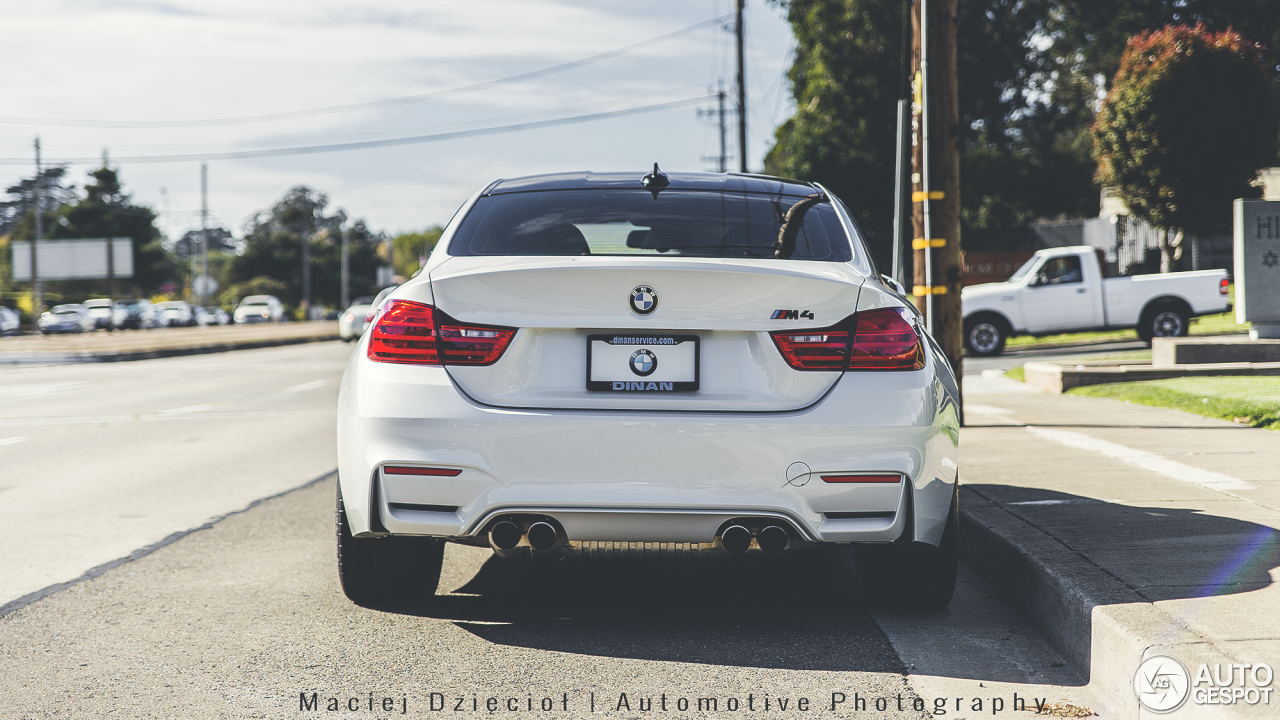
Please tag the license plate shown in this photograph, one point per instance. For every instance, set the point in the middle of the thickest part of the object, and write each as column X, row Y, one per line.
column 629, row 362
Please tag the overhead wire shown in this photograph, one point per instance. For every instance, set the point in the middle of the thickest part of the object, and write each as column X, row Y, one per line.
column 351, row 107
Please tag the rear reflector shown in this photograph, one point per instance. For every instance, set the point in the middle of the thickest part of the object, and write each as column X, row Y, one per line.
column 438, row 472
column 417, row 333
column 1223, row 284
column 872, row 340
column 862, row 478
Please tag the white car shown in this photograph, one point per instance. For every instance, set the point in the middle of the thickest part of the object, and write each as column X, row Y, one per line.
column 259, row 309
column 354, row 320
column 66, row 319
column 1066, row 290
column 175, row 313
column 102, row 310
column 9, row 321
column 706, row 362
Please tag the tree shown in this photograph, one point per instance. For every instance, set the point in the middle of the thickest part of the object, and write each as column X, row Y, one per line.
column 272, row 249
column 107, row 211
column 1185, row 127
column 411, row 248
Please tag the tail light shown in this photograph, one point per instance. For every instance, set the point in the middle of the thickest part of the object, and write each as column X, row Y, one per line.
column 874, row 479
column 873, row 340
column 416, row 333
column 1223, row 284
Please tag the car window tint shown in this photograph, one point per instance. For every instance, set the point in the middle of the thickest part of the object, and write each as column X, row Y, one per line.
column 633, row 222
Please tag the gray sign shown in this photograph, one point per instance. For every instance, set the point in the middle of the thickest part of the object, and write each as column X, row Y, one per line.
column 1257, row 266
column 78, row 259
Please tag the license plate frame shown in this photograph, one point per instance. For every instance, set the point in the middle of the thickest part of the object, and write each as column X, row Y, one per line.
column 645, row 340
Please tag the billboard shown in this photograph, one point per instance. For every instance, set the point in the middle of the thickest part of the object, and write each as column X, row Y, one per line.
column 77, row 259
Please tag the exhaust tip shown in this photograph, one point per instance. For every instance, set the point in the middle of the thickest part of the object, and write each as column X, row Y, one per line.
column 736, row 539
column 773, row 540
column 505, row 535
column 542, row 536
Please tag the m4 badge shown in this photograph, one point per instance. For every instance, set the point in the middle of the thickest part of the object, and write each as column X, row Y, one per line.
column 791, row 314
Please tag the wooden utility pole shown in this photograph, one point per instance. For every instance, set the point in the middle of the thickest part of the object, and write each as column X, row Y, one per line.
column 37, row 287
column 742, row 94
column 935, row 173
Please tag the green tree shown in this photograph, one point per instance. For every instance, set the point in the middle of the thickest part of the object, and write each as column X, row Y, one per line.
column 1185, row 127
column 272, row 249
column 410, row 248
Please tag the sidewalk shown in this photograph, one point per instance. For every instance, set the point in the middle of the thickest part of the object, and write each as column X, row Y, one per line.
column 1124, row 532
column 165, row 342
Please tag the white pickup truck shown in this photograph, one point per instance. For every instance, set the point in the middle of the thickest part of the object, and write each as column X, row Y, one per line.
column 1064, row 290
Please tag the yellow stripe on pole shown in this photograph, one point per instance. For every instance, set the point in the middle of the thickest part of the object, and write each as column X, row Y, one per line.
column 919, row 196
column 929, row 290
column 922, row 243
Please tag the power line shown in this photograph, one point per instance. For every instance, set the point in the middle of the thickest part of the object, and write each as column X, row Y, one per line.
column 369, row 144
column 388, row 102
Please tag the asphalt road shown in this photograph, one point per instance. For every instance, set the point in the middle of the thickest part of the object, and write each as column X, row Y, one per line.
column 243, row 616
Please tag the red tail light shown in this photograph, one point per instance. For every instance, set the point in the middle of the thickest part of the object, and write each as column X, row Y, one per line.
column 862, row 478
column 1223, row 284
column 880, row 340
column 416, row 333
column 409, row 470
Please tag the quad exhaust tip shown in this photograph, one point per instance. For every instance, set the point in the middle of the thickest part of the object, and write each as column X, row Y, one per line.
column 542, row 536
column 505, row 535
column 736, row 539
column 773, row 540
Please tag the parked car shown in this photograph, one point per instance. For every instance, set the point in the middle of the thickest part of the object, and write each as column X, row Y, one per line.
column 176, row 313
column 353, row 321
column 703, row 359
column 66, row 319
column 9, row 321
column 259, row 309
column 1065, row 290
column 133, row 314
column 102, row 310
column 211, row 316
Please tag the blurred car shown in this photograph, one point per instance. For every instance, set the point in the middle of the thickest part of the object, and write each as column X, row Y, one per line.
column 135, row 314
column 176, row 313
column 259, row 309
column 354, row 320
column 102, row 310
column 66, row 319
column 9, row 321
column 211, row 316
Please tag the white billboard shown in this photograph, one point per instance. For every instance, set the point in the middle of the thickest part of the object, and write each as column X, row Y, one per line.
column 78, row 259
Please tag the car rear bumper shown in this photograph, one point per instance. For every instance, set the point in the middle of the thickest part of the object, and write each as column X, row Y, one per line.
column 614, row 476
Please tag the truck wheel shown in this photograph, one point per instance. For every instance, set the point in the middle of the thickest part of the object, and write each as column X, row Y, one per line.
column 393, row 570
column 919, row 576
column 984, row 336
column 1164, row 321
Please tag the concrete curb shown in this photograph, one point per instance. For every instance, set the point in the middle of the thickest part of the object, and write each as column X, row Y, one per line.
column 65, row 358
column 1097, row 622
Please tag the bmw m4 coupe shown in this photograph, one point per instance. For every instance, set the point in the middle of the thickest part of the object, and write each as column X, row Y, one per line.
column 683, row 364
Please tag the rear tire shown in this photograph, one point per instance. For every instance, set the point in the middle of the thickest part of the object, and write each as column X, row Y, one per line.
column 918, row 577
column 389, row 570
column 1164, row 321
column 985, row 336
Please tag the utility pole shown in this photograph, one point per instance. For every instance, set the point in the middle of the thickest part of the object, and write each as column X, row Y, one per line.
column 204, row 231
column 935, row 174
column 742, row 95
column 306, row 269
column 346, row 270
column 724, row 158
column 37, row 287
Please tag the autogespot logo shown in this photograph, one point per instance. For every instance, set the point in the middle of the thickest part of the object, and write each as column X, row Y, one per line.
column 643, row 300
column 1161, row 683
column 643, row 362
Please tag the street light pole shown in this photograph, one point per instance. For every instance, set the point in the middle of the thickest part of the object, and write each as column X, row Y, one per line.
column 742, row 94
column 204, row 232
column 37, row 288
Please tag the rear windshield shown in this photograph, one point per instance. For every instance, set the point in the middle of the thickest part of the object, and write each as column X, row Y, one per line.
column 679, row 223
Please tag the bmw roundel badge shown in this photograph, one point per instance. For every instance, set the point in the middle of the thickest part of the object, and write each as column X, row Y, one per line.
column 643, row 300
column 643, row 362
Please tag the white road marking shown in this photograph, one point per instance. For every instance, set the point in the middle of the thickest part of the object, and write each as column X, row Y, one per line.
column 1154, row 462
column 979, row 409
column 12, row 440
column 305, row 386
column 185, row 410
column 35, row 390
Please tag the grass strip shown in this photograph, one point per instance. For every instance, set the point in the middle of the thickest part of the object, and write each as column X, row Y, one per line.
column 1246, row 400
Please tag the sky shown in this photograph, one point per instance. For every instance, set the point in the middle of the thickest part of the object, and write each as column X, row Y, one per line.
column 162, row 68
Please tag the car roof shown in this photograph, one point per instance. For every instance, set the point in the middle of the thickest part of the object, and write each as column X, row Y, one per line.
column 730, row 182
